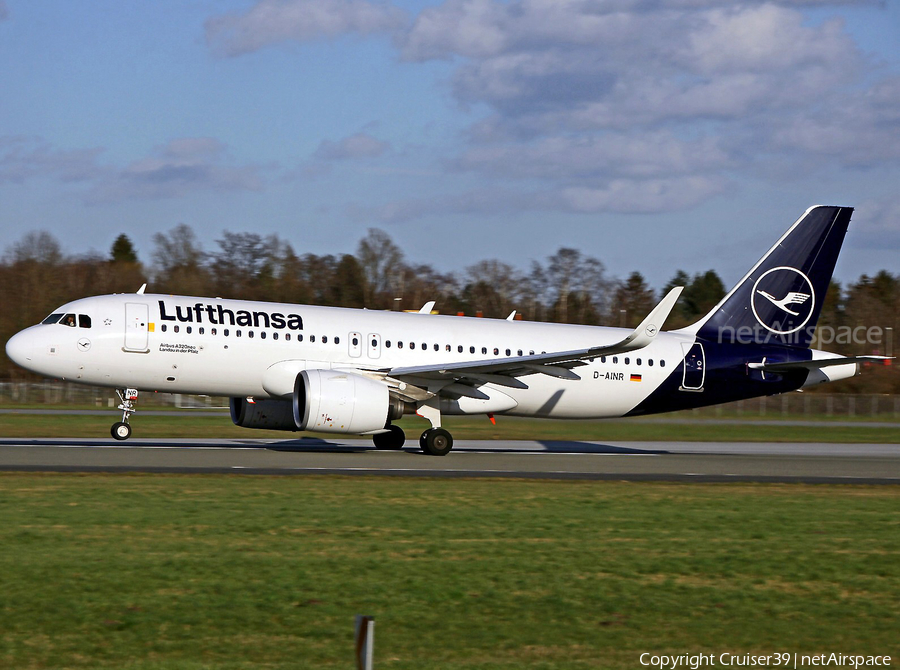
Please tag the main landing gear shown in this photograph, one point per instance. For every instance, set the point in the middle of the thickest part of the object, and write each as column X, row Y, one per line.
column 121, row 430
column 434, row 441
column 393, row 439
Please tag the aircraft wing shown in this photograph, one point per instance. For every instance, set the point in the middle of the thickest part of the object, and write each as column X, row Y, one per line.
column 505, row 371
column 816, row 364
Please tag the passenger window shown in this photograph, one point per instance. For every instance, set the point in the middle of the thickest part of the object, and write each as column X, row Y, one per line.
column 615, row 360
column 337, row 340
column 299, row 337
column 287, row 337
column 213, row 331
column 164, row 327
column 387, row 344
column 374, row 343
column 471, row 350
column 519, row 353
column 650, row 362
column 508, row 352
column 225, row 332
column 312, row 338
column 274, row 336
column 638, row 361
column 355, row 341
column 237, row 333
column 459, row 348
column 399, row 344
column 627, row 360
column 325, row 339
column 201, row 330
column 662, row 364
column 425, row 346
column 484, row 351
column 412, row 345
column 496, row 351
column 603, row 359
column 250, row 334
column 175, row 328
column 84, row 321
column 262, row 335
column 187, row 329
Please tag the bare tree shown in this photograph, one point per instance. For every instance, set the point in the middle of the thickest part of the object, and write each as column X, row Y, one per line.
column 382, row 264
column 179, row 262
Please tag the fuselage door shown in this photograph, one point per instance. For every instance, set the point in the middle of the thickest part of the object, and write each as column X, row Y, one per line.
column 374, row 344
column 137, row 327
column 354, row 342
column 694, row 367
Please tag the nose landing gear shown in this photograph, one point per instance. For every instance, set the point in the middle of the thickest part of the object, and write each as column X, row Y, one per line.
column 121, row 430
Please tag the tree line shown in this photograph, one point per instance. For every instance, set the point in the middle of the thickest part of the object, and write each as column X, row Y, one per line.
column 568, row 286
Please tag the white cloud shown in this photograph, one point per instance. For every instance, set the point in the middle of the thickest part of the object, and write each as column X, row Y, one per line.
column 656, row 153
column 606, row 100
column 181, row 167
column 616, row 105
column 24, row 158
column 271, row 22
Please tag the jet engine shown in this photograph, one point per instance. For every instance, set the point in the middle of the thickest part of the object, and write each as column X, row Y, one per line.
column 330, row 401
column 270, row 414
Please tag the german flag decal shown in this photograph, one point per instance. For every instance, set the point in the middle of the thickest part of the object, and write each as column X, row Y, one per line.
column 635, row 378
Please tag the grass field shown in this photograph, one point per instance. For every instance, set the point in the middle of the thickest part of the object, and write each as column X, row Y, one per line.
column 156, row 572
column 698, row 429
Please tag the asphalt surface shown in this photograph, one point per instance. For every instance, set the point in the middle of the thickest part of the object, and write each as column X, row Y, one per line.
column 663, row 461
column 675, row 421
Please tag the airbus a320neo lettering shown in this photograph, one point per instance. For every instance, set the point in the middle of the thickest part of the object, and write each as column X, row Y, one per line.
column 353, row 371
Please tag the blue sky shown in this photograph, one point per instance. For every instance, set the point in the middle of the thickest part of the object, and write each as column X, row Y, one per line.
column 652, row 134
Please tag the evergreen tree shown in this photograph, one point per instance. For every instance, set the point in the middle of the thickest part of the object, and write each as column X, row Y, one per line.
column 123, row 250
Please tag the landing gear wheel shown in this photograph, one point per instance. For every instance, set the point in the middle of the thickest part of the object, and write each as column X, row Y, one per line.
column 436, row 442
column 120, row 430
column 390, row 440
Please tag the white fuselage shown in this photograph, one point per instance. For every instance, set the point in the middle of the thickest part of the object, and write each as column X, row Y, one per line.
column 238, row 348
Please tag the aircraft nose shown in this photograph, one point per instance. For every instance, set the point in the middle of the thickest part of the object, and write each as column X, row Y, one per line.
column 20, row 348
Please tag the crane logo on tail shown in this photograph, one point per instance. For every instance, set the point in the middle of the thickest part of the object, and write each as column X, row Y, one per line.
column 783, row 300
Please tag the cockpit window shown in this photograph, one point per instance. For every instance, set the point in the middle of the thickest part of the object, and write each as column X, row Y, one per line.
column 71, row 320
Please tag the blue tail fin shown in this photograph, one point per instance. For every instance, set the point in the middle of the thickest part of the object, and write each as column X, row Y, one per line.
column 779, row 300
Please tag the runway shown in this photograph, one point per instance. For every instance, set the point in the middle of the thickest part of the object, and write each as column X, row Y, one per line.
column 638, row 461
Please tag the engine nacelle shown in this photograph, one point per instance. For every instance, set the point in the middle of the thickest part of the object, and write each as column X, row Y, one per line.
column 330, row 401
column 270, row 414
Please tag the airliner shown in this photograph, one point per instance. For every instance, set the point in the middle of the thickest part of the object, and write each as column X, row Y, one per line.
column 355, row 371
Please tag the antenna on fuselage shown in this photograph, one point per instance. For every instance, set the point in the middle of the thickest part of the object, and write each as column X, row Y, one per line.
column 140, row 291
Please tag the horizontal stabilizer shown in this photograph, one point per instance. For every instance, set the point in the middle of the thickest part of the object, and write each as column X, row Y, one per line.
column 816, row 364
